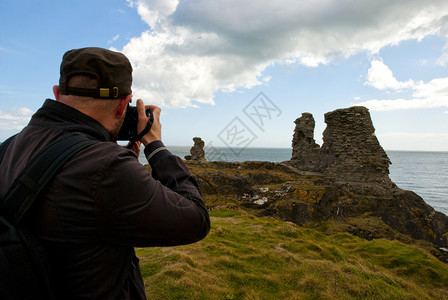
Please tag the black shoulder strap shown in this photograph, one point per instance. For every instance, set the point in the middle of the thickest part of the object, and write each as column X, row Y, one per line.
column 4, row 146
column 38, row 172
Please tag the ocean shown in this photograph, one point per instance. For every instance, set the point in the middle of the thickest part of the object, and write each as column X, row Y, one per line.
column 425, row 173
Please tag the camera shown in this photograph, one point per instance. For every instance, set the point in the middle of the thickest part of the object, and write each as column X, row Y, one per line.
column 128, row 131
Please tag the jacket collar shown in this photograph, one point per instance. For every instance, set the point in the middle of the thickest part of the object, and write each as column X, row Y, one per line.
column 61, row 116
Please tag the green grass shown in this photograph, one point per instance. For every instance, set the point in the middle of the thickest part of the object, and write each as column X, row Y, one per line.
column 245, row 257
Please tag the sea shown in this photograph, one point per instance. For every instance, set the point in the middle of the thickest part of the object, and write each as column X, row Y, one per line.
column 425, row 173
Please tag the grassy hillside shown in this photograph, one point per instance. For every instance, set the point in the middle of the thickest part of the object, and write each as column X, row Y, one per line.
column 246, row 257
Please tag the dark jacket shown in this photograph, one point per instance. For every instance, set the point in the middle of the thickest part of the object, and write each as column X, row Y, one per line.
column 102, row 204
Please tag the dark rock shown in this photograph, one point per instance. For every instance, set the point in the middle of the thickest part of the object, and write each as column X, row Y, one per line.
column 351, row 150
column 296, row 212
column 197, row 151
column 346, row 178
column 351, row 158
column 409, row 214
column 305, row 151
column 222, row 183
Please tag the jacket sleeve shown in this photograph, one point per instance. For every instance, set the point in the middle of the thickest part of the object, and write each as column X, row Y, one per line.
column 135, row 208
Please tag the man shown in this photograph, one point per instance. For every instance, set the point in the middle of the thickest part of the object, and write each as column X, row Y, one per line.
column 103, row 202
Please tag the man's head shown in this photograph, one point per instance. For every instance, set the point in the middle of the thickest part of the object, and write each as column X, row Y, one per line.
column 112, row 71
column 97, row 82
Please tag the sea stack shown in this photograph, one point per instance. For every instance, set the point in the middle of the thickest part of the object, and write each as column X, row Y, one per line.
column 350, row 151
column 197, row 152
column 305, row 151
column 351, row 148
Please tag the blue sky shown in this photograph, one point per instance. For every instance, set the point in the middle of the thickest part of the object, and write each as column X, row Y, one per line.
column 212, row 66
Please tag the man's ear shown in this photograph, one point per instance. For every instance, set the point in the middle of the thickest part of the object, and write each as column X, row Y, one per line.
column 121, row 109
column 56, row 92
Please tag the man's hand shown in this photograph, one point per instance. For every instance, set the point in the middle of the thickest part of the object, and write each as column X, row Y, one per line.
column 155, row 134
column 134, row 146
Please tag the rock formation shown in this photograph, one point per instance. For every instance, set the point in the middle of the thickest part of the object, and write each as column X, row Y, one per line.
column 305, row 151
column 284, row 192
column 350, row 154
column 197, row 152
column 347, row 180
column 351, row 150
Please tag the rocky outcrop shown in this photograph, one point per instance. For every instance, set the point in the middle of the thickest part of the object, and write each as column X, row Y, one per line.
column 197, row 152
column 281, row 191
column 305, row 151
column 348, row 177
column 351, row 150
column 350, row 156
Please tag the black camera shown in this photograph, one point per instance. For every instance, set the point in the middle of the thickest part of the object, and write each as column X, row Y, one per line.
column 128, row 131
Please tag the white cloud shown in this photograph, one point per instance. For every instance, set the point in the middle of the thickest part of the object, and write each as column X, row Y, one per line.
column 443, row 59
column 16, row 119
column 193, row 49
column 436, row 88
column 114, row 39
column 400, row 104
column 433, row 94
column 381, row 77
column 175, row 80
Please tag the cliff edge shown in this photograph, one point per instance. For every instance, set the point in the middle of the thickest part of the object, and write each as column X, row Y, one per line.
column 346, row 181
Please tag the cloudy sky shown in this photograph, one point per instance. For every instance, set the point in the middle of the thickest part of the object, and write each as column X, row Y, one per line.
column 238, row 73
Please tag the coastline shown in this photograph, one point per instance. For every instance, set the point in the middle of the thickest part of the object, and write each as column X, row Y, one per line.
column 370, row 210
column 429, row 185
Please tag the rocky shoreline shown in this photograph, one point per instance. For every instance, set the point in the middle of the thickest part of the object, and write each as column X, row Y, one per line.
column 345, row 181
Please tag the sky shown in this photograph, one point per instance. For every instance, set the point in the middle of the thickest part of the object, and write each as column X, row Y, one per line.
column 238, row 73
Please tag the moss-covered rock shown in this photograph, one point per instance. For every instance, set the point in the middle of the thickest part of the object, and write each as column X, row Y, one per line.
column 279, row 190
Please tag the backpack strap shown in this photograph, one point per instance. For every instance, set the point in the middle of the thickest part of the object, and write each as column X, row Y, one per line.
column 37, row 174
column 4, row 146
